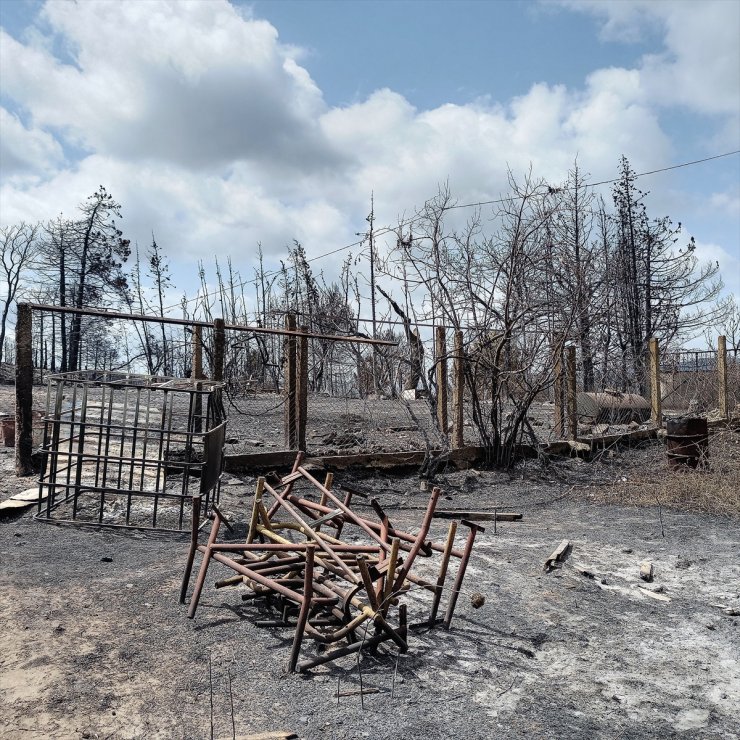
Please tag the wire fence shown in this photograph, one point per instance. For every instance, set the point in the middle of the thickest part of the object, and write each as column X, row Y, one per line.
column 356, row 397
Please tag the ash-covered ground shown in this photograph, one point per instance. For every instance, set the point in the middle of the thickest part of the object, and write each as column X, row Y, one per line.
column 94, row 643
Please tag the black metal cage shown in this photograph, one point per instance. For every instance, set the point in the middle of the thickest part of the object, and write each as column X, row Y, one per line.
column 125, row 450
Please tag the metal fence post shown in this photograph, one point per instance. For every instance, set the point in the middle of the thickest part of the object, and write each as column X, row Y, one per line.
column 722, row 375
column 289, row 384
column 301, row 401
column 458, row 392
column 196, row 372
column 559, row 394
column 656, row 412
column 441, row 367
column 23, row 391
column 570, row 370
column 219, row 345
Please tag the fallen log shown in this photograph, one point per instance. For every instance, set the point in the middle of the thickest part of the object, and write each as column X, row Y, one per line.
column 559, row 555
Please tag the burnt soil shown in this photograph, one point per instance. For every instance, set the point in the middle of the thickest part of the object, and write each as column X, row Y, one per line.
column 95, row 644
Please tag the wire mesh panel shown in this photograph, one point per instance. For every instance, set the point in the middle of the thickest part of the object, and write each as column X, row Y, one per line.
column 129, row 450
column 345, row 425
column 689, row 381
column 355, row 404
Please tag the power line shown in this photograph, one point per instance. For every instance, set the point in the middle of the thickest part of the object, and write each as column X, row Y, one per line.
column 601, row 182
column 389, row 230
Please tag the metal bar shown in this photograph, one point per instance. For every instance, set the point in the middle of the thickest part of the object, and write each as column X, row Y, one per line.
column 204, row 566
column 405, row 537
column 425, row 524
column 308, row 532
column 354, row 647
column 24, row 390
column 474, row 529
column 305, row 608
column 442, row 573
column 193, row 548
column 193, row 322
column 350, row 514
column 288, row 481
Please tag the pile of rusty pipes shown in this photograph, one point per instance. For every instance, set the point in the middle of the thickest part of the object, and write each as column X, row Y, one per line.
column 339, row 588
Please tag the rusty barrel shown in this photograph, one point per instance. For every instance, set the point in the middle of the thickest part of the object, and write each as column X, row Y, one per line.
column 687, row 442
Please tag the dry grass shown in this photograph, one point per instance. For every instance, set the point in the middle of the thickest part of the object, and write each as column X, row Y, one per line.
column 647, row 480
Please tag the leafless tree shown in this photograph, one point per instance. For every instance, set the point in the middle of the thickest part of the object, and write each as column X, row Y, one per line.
column 482, row 284
column 18, row 249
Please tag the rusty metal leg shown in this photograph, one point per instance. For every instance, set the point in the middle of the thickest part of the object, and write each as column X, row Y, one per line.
column 419, row 543
column 384, row 527
column 340, row 520
column 300, row 627
column 442, row 573
column 193, row 549
column 204, row 567
column 390, row 575
column 474, row 529
column 277, row 504
column 254, row 518
column 354, row 647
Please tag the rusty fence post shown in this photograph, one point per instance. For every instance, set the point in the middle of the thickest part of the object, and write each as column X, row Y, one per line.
column 219, row 346
column 458, row 392
column 570, row 390
column 289, row 384
column 196, row 372
column 441, row 360
column 301, row 399
column 722, row 375
column 558, row 421
column 23, row 391
column 656, row 412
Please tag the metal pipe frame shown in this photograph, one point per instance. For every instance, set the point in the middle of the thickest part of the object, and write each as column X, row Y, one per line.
column 326, row 586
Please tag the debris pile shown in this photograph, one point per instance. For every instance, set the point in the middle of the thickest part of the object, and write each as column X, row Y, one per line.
column 334, row 575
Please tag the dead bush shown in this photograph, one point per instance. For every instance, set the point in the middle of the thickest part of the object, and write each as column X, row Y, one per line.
column 648, row 480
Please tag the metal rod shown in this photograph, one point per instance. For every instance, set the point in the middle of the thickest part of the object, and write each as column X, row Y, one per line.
column 474, row 529
column 207, row 324
column 442, row 573
column 193, row 548
column 305, row 608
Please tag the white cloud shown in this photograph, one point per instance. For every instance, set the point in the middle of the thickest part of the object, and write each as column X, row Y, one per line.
column 194, row 83
column 26, row 152
column 729, row 264
column 699, row 65
column 727, row 202
column 210, row 133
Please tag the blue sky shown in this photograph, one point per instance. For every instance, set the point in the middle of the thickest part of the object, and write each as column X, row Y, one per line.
column 434, row 53
column 220, row 126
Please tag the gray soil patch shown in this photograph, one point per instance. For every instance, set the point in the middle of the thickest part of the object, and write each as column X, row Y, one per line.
column 96, row 645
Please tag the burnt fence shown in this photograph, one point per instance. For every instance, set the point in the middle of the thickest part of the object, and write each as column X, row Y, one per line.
column 287, row 388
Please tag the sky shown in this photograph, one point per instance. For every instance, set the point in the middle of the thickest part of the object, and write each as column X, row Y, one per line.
column 223, row 126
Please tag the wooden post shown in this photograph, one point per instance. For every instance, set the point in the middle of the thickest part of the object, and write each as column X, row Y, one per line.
column 572, row 405
column 441, row 360
column 219, row 344
column 289, row 384
column 722, row 375
column 301, row 399
column 458, row 392
column 23, row 391
column 196, row 372
column 559, row 394
column 656, row 413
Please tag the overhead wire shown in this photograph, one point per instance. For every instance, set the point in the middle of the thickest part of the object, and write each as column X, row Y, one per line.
column 389, row 230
